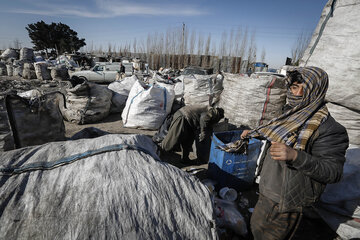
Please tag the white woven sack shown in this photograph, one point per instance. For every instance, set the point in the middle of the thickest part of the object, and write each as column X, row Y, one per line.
column 147, row 106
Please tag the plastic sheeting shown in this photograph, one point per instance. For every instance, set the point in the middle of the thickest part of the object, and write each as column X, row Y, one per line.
column 251, row 101
column 121, row 90
column 111, row 187
column 147, row 106
column 335, row 47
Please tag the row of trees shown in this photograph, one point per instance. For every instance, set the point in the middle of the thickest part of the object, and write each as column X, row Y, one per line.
column 55, row 36
column 179, row 41
column 175, row 41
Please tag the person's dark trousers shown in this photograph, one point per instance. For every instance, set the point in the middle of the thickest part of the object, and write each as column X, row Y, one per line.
column 180, row 134
column 267, row 223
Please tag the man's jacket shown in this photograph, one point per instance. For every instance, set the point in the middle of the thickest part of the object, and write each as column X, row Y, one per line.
column 305, row 178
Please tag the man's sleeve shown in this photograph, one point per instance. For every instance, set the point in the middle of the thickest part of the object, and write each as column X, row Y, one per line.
column 326, row 161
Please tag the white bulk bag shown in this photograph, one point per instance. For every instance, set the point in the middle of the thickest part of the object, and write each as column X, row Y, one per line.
column 147, row 106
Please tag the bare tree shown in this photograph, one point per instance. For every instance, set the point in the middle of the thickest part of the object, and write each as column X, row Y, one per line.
column 222, row 50
column 244, row 44
column 252, row 49
column 192, row 42
column 263, row 54
column 200, row 44
column 134, row 46
column 17, row 43
column 299, row 47
column 230, row 44
column 207, row 46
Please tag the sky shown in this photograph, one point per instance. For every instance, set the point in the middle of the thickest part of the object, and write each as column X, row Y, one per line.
column 277, row 24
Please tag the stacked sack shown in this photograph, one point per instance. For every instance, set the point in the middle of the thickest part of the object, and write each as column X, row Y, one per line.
column 87, row 103
column 202, row 89
column 252, row 101
column 3, row 69
column 59, row 73
column 41, row 70
column 29, row 71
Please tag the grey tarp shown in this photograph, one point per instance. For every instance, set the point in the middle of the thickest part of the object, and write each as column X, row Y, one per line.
column 335, row 47
column 115, row 190
column 251, row 101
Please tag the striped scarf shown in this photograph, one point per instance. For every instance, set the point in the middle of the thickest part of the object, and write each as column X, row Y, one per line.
column 295, row 126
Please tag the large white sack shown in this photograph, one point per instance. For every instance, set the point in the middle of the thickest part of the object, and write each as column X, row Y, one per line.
column 340, row 202
column 252, row 101
column 349, row 119
column 335, row 47
column 110, row 187
column 41, row 70
column 201, row 89
column 147, row 106
column 121, row 90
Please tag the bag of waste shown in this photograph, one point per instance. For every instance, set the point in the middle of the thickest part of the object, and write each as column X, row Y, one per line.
column 252, row 101
column 3, row 71
column 59, row 73
column 110, row 187
column 18, row 69
column 202, row 89
column 9, row 53
column 29, row 71
column 87, row 102
column 121, row 90
column 27, row 54
column 10, row 70
column 227, row 216
column 41, row 70
column 147, row 106
column 30, row 120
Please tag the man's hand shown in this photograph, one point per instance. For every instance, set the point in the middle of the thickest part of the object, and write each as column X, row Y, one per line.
column 282, row 152
column 244, row 134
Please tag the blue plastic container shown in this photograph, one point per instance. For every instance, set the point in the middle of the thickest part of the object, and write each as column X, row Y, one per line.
column 233, row 169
